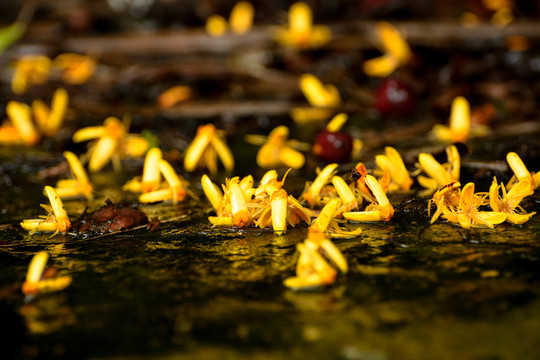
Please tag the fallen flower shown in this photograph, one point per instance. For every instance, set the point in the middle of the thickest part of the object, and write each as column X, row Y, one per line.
column 55, row 221
column 508, row 203
column 30, row 70
column 79, row 185
column 112, row 143
column 208, row 145
column 301, row 34
column 277, row 150
column 396, row 51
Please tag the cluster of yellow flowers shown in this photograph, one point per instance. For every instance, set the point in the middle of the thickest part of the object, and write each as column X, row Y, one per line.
column 20, row 128
column 35, row 69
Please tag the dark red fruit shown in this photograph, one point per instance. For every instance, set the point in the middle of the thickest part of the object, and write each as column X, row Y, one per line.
column 394, row 98
column 333, row 147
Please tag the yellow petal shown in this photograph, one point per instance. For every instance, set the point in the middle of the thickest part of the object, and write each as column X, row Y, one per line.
column 291, row 158
column 216, row 26
column 241, row 18
column 381, row 66
column 460, row 119
column 76, row 167
column 519, row 219
column 151, row 176
column 363, row 216
column 279, row 211
column 326, row 215
column 197, row 146
column 20, row 116
column 88, row 133
column 102, row 153
column 337, row 122
column 224, row 153
column 59, row 106
column 393, row 42
column 211, row 191
column 345, row 193
column 58, row 209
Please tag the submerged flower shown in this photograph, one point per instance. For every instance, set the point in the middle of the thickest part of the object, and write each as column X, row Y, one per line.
column 240, row 20
column 301, row 33
column 79, row 185
column 112, row 143
column 322, row 99
column 55, row 221
column 277, row 150
column 38, row 280
column 207, row 146
column 76, row 69
column 508, row 203
column 30, row 70
column 394, row 47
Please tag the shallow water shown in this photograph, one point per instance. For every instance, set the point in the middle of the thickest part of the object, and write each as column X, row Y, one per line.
column 413, row 291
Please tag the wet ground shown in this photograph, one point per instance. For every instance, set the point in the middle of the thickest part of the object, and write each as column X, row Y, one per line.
column 187, row 290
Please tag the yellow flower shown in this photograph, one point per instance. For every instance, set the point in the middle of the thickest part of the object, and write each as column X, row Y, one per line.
column 208, row 145
column 301, row 34
column 446, row 199
column 277, row 150
column 438, row 175
column 56, row 221
column 392, row 164
column 509, row 202
column 21, row 118
column 313, row 269
column 322, row 98
column 240, row 20
column 381, row 210
column 173, row 96
column 395, row 50
column 76, row 69
column 467, row 215
column 174, row 188
column 30, row 70
column 459, row 129
column 242, row 205
column 521, row 172
column 49, row 120
column 313, row 193
column 112, row 143
column 36, row 284
column 151, row 177
column 80, row 185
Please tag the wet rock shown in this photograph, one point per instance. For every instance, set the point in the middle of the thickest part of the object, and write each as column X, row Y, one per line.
column 112, row 218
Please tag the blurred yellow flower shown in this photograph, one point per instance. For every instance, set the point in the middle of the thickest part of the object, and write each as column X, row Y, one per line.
column 301, row 34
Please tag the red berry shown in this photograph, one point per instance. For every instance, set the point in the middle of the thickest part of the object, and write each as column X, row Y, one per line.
column 394, row 98
column 333, row 147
